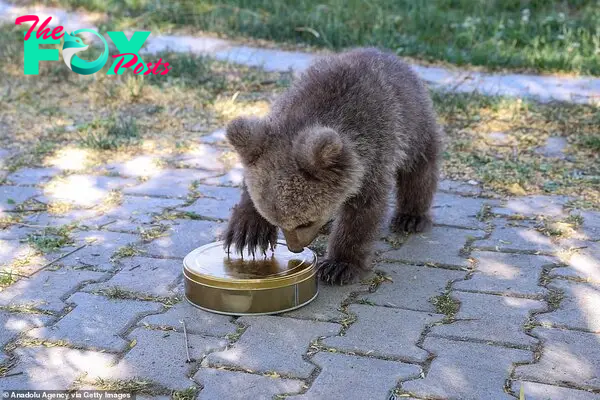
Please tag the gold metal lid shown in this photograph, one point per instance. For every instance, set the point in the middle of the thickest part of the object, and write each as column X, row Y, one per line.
column 210, row 265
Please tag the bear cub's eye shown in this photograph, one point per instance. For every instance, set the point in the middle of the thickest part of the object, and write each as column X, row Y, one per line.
column 306, row 225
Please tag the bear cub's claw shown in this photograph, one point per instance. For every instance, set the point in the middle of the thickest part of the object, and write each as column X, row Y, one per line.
column 248, row 229
column 405, row 223
column 338, row 272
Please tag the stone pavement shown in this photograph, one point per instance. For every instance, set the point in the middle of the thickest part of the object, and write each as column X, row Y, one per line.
column 483, row 305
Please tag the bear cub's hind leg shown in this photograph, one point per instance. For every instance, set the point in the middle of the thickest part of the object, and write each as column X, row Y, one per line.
column 414, row 194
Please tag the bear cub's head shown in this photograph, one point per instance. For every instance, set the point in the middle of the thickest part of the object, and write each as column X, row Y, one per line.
column 297, row 181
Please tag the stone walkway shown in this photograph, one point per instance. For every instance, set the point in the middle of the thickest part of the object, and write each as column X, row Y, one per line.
column 479, row 307
column 542, row 88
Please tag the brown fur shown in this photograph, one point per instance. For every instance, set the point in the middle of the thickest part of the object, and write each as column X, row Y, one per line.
column 330, row 149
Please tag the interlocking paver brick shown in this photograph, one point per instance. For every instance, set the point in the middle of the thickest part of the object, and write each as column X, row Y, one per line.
column 12, row 196
column 32, row 176
column 161, row 357
column 46, row 289
column 442, row 245
column 326, row 307
column 506, row 273
column 568, row 357
column 211, row 208
column 84, row 190
column 96, row 321
column 584, row 264
column 274, row 344
column 52, row 368
column 491, row 318
column 12, row 324
column 234, row 177
column 350, row 377
column 183, row 237
column 99, row 252
column 16, row 232
column 196, row 321
column 234, row 385
column 550, row 206
column 169, row 183
column 219, row 192
column 133, row 212
column 591, row 224
column 385, row 332
column 459, row 187
column 216, row 138
column 466, row 371
column 539, row 391
column 516, row 238
column 140, row 166
column 202, row 156
column 145, row 275
column 411, row 286
column 579, row 309
column 454, row 210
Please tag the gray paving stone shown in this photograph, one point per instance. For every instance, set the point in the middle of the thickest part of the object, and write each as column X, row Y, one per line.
column 506, row 273
column 152, row 276
column 183, row 237
column 137, row 167
column 233, row 178
column 530, row 206
column 326, row 307
column 233, row 385
column 466, row 371
column 350, row 377
column 591, row 224
column 32, row 176
column 273, row 344
column 441, row 246
column 14, row 323
column 216, row 138
column 12, row 249
column 539, row 391
column 196, row 321
column 102, row 246
column 211, row 208
column 52, row 368
column 169, row 183
column 46, row 289
column 458, row 187
column 491, row 318
column 71, row 217
column 568, row 358
column 516, row 238
column 219, row 192
column 84, row 190
column 161, row 357
column 454, row 210
column 385, row 332
column 411, row 287
column 268, row 59
column 12, row 196
column 499, row 139
column 584, row 264
column 202, row 156
column 17, row 232
column 554, row 147
column 579, row 309
column 133, row 213
column 96, row 322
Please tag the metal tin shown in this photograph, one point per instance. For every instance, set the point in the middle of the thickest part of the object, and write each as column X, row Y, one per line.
column 235, row 285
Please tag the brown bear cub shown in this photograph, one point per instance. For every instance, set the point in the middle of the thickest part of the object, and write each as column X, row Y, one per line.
column 330, row 149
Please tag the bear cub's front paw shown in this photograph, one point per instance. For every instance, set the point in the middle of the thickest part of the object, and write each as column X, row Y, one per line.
column 247, row 228
column 405, row 223
column 335, row 272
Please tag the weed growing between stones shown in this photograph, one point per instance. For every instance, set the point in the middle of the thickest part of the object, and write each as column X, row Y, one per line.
column 126, row 251
column 51, row 238
column 445, row 304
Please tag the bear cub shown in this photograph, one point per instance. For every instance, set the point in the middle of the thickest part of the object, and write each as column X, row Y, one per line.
column 330, row 149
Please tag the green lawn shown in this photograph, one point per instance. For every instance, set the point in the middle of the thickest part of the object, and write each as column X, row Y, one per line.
column 535, row 35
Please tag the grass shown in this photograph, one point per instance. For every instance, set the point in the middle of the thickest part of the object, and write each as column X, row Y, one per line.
column 445, row 304
column 51, row 238
column 110, row 134
column 125, row 251
column 186, row 394
column 540, row 35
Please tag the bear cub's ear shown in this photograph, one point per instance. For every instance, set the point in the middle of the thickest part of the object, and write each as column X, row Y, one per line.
column 247, row 136
column 318, row 149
